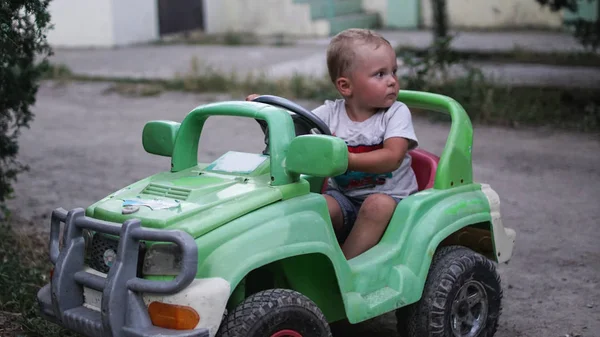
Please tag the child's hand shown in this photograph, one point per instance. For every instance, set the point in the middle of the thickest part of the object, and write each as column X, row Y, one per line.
column 251, row 97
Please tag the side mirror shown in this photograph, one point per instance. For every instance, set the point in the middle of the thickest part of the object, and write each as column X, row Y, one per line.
column 317, row 155
column 158, row 137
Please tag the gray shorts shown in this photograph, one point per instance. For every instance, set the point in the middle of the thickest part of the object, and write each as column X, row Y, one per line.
column 350, row 207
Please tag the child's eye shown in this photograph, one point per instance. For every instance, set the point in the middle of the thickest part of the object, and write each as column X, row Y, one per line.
column 395, row 71
column 380, row 74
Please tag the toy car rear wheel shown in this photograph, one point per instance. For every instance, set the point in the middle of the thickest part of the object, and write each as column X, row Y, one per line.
column 275, row 313
column 462, row 298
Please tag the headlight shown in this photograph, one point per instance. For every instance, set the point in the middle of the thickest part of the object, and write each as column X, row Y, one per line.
column 162, row 259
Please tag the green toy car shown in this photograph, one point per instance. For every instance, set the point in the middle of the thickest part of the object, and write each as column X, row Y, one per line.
column 244, row 246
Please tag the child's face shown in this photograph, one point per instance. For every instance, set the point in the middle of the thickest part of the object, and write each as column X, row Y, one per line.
column 374, row 81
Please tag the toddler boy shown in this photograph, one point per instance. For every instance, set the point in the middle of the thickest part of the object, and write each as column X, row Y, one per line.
column 379, row 133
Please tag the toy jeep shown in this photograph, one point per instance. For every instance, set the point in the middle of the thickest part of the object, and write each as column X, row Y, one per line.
column 244, row 246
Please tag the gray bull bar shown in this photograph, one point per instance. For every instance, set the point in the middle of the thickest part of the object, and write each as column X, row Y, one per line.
column 122, row 312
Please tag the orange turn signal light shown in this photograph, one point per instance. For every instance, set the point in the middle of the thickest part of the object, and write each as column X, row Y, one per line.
column 172, row 316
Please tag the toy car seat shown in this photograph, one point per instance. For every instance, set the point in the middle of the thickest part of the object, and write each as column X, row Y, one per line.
column 424, row 165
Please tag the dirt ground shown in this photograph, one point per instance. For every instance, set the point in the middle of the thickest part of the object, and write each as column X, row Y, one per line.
column 85, row 143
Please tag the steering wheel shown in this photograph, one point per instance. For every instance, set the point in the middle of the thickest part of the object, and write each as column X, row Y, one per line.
column 306, row 116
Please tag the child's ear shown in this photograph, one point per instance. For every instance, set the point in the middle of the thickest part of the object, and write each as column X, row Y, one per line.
column 344, row 86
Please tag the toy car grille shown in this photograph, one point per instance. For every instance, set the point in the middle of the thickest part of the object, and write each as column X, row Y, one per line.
column 103, row 252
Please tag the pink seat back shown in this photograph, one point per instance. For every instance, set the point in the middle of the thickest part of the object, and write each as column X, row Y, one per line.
column 424, row 164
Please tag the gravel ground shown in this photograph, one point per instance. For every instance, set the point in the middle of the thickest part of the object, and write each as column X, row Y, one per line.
column 85, row 143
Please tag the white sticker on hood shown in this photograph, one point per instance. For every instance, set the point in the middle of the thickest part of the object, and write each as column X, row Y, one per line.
column 153, row 204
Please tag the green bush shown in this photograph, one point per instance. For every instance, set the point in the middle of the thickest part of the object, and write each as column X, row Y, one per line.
column 23, row 51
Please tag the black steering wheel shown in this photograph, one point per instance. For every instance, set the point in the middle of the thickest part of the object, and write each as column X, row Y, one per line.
column 308, row 117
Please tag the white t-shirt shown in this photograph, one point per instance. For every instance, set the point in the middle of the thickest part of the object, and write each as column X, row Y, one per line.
column 367, row 136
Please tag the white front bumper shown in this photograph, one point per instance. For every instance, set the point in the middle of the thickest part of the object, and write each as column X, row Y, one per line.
column 207, row 296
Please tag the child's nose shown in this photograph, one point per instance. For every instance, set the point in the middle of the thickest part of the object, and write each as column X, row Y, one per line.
column 392, row 80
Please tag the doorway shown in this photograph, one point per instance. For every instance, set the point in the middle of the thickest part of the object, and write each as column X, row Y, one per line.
column 176, row 16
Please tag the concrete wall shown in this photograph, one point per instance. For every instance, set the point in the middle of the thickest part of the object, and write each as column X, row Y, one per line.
column 107, row 23
column 402, row 13
column 81, row 22
column 102, row 23
column 214, row 20
column 379, row 6
column 135, row 21
column 263, row 17
column 494, row 14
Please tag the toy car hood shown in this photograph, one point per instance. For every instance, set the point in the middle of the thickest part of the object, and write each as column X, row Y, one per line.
column 196, row 202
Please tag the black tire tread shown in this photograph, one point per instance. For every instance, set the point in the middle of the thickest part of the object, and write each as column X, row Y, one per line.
column 238, row 322
column 415, row 318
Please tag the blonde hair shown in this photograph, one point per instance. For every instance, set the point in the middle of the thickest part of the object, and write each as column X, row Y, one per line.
column 340, row 53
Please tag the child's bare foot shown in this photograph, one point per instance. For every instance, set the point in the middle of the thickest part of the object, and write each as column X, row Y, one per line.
column 251, row 97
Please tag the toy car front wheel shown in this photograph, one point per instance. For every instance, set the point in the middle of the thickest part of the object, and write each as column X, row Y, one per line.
column 462, row 298
column 275, row 313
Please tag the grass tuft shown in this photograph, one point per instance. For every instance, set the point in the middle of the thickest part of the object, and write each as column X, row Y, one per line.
column 485, row 101
column 24, row 269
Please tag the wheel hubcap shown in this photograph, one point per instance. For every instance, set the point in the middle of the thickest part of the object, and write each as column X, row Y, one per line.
column 286, row 333
column 469, row 310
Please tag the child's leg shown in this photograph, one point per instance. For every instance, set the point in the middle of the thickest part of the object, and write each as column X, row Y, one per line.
column 335, row 212
column 371, row 222
column 342, row 212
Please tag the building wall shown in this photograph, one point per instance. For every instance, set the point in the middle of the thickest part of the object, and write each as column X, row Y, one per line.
column 261, row 17
column 102, row 23
column 403, row 13
column 107, row 23
column 379, row 6
column 214, row 16
column 587, row 10
column 81, row 23
column 494, row 14
column 135, row 21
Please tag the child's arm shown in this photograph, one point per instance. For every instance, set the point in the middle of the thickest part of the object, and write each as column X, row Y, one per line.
column 399, row 138
column 383, row 160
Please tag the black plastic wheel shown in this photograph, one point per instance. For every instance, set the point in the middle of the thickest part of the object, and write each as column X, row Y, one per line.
column 275, row 313
column 462, row 298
